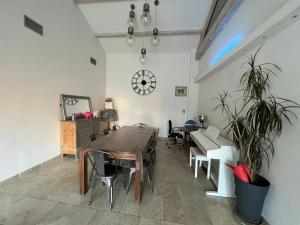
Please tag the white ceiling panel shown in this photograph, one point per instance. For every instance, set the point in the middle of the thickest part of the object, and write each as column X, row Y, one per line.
column 167, row 44
column 111, row 17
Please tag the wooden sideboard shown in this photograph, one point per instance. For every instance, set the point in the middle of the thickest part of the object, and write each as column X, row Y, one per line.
column 77, row 134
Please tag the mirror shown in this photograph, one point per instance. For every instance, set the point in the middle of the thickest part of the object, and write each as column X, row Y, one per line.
column 72, row 104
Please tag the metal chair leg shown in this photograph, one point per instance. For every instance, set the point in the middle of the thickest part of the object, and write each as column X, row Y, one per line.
column 129, row 181
column 93, row 189
column 150, row 179
column 110, row 196
column 92, row 174
column 124, row 179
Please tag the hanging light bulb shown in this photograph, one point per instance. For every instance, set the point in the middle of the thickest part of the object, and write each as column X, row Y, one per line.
column 155, row 39
column 146, row 17
column 143, row 56
column 131, row 22
column 130, row 39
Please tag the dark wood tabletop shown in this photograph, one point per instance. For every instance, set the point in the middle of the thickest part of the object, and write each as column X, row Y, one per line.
column 132, row 140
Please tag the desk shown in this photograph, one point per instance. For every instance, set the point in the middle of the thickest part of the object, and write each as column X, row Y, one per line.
column 127, row 143
column 187, row 130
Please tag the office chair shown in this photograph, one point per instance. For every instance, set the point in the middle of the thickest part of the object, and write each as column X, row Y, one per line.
column 175, row 133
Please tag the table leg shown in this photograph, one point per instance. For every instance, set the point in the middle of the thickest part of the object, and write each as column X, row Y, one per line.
column 137, row 180
column 83, row 172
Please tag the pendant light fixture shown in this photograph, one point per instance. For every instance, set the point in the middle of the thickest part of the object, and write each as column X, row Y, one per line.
column 131, row 22
column 146, row 17
column 143, row 56
column 155, row 39
column 130, row 39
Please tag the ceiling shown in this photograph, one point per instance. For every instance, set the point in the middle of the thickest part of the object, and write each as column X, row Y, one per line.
column 109, row 17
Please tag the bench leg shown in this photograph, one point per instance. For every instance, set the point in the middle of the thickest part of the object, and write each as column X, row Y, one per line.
column 196, row 168
column 208, row 169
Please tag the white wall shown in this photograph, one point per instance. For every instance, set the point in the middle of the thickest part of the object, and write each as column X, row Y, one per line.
column 157, row 108
column 35, row 70
column 283, row 201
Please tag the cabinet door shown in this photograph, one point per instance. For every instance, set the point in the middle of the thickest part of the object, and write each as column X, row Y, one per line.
column 68, row 135
column 95, row 126
column 83, row 133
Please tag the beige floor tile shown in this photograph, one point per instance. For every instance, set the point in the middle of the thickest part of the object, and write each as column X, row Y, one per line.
column 110, row 218
column 151, row 206
column 145, row 221
column 7, row 200
column 220, row 215
column 186, row 212
column 63, row 214
column 26, row 211
column 168, row 189
column 66, row 193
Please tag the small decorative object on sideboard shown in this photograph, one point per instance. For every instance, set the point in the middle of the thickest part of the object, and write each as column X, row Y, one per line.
column 108, row 114
column 202, row 119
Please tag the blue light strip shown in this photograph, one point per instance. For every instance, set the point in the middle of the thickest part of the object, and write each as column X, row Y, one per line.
column 228, row 48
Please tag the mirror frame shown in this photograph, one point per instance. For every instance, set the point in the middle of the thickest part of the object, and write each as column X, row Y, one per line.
column 63, row 106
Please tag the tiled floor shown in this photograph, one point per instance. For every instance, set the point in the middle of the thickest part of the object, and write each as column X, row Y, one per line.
column 50, row 195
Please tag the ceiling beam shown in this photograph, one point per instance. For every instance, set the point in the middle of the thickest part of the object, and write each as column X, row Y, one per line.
column 149, row 33
column 96, row 1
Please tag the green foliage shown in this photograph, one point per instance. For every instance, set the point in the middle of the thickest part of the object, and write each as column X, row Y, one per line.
column 259, row 120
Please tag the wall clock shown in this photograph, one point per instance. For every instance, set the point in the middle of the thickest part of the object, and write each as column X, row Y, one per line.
column 143, row 82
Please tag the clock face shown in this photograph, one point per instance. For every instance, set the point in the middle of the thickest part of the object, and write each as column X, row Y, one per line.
column 143, row 82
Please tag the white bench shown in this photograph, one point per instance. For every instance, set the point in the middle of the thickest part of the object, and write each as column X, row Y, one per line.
column 196, row 154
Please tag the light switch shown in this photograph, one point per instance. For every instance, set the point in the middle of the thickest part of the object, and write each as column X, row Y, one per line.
column 183, row 111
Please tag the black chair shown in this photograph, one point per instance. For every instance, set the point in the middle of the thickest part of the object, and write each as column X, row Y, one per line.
column 148, row 162
column 175, row 133
column 141, row 125
column 106, row 173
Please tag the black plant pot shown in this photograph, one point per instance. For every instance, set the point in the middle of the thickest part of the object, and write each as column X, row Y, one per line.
column 250, row 198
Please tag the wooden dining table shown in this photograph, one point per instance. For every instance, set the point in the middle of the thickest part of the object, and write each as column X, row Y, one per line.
column 128, row 143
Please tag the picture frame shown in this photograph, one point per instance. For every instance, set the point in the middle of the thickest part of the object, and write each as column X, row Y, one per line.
column 181, row 91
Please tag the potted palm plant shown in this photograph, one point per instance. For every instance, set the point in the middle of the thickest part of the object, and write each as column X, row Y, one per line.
column 255, row 120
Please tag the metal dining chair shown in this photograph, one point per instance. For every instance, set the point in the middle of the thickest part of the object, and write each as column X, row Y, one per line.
column 149, row 161
column 106, row 173
column 141, row 125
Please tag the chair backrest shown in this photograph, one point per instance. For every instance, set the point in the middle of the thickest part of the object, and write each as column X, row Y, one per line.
column 140, row 125
column 170, row 126
column 153, row 140
column 99, row 161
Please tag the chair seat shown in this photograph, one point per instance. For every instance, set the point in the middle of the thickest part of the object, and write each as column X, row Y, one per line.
column 110, row 170
column 175, row 135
